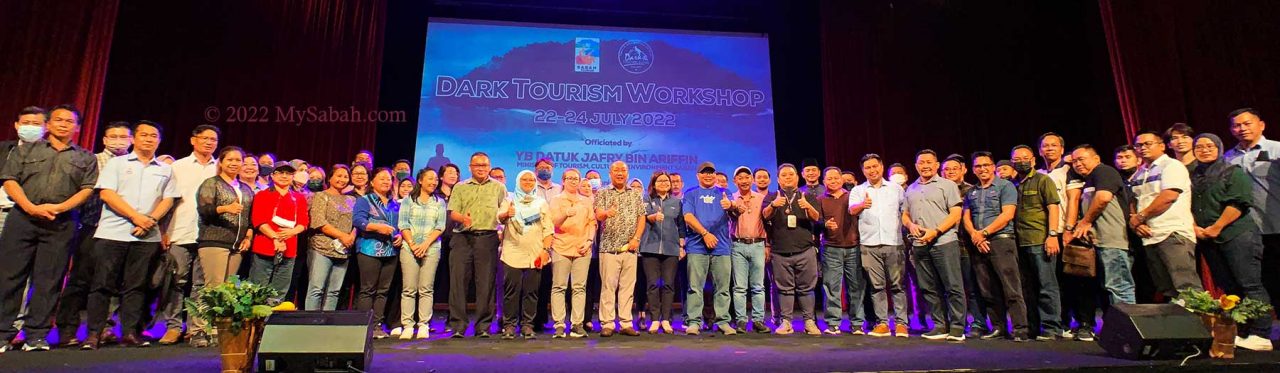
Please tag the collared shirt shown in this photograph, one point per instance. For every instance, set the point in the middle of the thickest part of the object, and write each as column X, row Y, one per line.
column 704, row 204
column 480, row 200
column 985, row 203
column 48, row 175
column 370, row 210
column 1110, row 228
column 664, row 237
column 1165, row 174
column 785, row 238
column 1035, row 193
column 880, row 224
column 1065, row 180
column 547, row 193
column 573, row 232
column 91, row 209
column 422, row 218
column 1211, row 194
column 6, row 148
column 184, row 227
column 619, row 229
column 1261, row 163
column 837, row 209
column 747, row 223
column 142, row 186
column 930, row 202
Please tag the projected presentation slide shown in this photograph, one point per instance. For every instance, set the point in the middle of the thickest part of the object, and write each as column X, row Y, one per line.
column 585, row 97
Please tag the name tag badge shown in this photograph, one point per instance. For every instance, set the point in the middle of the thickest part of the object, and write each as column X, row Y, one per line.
column 791, row 221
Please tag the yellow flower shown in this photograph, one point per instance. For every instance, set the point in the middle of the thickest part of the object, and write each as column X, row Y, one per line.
column 1229, row 302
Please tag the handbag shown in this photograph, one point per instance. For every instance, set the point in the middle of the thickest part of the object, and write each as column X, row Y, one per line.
column 1080, row 259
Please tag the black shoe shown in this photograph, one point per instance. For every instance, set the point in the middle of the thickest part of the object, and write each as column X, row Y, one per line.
column 509, row 333
column 1020, row 338
column 998, row 334
column 935, row 334
column 528, row 333
column 482, row 334
column 457, row 335
column 741, row 327
column 760, row 327
column 976, row 333
column 1084, row 334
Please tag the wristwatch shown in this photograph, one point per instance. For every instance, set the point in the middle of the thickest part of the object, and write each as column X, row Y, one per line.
column 1054, row 233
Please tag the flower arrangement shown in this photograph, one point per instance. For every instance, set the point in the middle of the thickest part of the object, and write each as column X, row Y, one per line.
column 1231, row 307
column 234, row 301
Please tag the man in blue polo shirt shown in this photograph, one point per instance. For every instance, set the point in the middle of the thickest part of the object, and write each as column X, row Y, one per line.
column 708, row 246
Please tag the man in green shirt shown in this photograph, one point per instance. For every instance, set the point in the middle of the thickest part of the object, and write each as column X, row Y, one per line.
column 1036, row 226
column 476, row 205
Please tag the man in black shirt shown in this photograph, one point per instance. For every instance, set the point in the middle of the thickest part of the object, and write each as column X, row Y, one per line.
column 47, row 180
column 792, row 215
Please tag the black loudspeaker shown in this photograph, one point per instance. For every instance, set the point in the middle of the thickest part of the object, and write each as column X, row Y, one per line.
column 1153, row 331
column 316, row 341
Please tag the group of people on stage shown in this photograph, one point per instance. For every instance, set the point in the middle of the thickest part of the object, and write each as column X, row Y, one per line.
column 108, row 223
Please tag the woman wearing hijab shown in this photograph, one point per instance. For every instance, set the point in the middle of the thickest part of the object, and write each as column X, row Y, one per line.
column 526, row 248
column 636, row 184
column 1232, row 244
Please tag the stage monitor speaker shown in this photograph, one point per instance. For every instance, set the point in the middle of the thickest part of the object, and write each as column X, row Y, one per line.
column 1152, row 331
column 316, row 341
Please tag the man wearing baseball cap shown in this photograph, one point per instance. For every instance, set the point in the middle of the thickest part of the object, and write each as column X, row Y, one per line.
column 749, row 252
column 707, row 245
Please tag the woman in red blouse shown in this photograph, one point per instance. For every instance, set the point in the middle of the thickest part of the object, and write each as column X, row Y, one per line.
column 280, row 215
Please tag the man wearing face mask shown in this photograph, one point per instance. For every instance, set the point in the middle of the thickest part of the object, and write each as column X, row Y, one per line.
column 898, row 175
column 30, row 125
column 1036, row 225
column 544, row 169
column 116, row 140
column 38, row 232
column 849, row 180
column 1126, row 160
column 302, row 176
column 179, row 239
column 593, row 179
column 402, row 168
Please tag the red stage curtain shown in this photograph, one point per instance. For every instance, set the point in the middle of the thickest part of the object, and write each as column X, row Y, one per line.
column 56, row 52
column 1192, row 61
column 175, row 60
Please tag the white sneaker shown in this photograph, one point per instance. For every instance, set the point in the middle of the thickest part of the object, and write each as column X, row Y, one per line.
column 397, row 332
column 405, row 333
column 1067, row 334
column 424, row 332
column 1254, row 343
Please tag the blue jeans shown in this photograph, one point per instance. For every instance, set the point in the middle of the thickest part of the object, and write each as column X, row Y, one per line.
column 843, row 263
column 324, row 282
column 265, row 272
column 1117, row 275
column 748, row 278
column 1041, row 270
column 720, row 267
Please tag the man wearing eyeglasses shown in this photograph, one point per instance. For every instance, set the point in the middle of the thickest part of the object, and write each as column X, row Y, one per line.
column 47, row 177
column 1161, row 216
column 473, row 251
column 179, row 238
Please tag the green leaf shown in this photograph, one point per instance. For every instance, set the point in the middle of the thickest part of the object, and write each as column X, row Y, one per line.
column 261, row 311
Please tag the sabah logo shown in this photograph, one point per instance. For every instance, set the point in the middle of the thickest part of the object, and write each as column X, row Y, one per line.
column 586, row 55
column 635, row 56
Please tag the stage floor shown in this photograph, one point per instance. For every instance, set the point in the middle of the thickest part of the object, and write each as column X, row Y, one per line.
column 665, row 353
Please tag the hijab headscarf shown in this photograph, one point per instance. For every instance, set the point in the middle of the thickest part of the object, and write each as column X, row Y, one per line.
column 528, row 205
column 1208, row 172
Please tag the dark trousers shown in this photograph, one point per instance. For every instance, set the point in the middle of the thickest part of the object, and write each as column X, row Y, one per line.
column 472, row 259
column 375, row 281
column 520, row 295
column 796, row 276
column 939, row 269
column 33, row 249
column 1079, row 298
column 1237, row 266
column 1173, row 265
column 75, row 295
column 660, row 277
column 999, row 279
column 976, row 305
column 1271, row 261
column 124, row 270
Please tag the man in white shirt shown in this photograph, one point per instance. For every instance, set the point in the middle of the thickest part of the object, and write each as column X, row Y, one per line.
column 1162, row 216
column 877, row 204
column 179, row 240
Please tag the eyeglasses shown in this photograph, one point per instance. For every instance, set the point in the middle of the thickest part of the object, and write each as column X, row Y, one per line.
column 1145, row 144
column 984, row 165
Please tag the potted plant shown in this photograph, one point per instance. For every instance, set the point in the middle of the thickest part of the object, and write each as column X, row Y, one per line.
column 1221, row 316
column 238, row 309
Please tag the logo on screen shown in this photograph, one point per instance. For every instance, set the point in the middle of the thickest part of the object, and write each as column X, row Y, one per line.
column 635, row 56
column 586, row 55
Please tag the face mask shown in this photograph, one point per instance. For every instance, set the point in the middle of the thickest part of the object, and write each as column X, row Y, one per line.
column 315, row 185
column 300, row 178
column 594, row 183
column 30, row 133
column 117, row 147
column 898, row 178
column 402, row 175
column 1022, row 167
column 544, row 175
column 849, row 186
column 265, row 170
